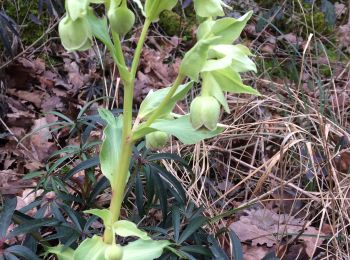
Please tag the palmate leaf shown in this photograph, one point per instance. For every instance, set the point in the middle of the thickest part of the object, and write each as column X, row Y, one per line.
column 87, row 164
column 21, row 251
column 192, row 227
column 32, row 226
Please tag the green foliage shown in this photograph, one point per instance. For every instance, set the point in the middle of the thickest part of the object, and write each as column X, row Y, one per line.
column 215, row 63
column 110, row 149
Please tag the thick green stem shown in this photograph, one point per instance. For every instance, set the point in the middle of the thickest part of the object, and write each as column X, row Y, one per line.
column 118, row 49
column 120, row 180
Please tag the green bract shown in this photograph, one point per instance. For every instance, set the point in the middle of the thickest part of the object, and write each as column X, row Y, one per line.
column 227, row 29
column 157, row 140
column 110, row 149
column 205, row 113
column 121, row 20
column 75, row 34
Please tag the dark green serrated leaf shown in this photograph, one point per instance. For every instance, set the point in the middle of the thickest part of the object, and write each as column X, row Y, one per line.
column 176, row 219
column 162, row 195
column 32, row 226
column 166, row 156
column 192, row 227
column 6, row 215
column 100, row 186
column 237, row 251
column 170, row 179
column 197, row 250
column 217, row 251
column 22, row 251
column 89, row 163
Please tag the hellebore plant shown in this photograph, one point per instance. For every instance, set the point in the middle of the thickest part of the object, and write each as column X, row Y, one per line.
column 214, row 62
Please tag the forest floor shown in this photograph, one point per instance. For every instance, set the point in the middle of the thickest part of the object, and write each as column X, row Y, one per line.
column 278, row 176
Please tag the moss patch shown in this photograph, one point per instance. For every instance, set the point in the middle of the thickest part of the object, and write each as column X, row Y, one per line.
column 24, row 13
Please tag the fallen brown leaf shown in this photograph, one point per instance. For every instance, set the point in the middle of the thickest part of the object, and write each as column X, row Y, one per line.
column 261, row 226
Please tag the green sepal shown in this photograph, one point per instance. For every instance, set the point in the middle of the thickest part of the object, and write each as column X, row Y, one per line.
column 76, row 34
column 195, row 59
column 213, row 89
column 208, row 8
column 76, row 8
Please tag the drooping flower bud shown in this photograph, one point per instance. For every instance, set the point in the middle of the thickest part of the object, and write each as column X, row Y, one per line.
column 205, row 113
column 114, row 252
column 156, row 140
column 75, row 35
column 121, row 19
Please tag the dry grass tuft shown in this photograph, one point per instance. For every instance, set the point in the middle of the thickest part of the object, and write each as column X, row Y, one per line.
column 287, row 151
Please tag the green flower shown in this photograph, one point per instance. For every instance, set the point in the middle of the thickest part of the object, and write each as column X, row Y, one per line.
column 75, row 35
column 205, row 113
column 77, row 8
column 156, row 140
column 121, row 19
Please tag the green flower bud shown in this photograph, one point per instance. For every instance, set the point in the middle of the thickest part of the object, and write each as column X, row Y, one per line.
column 75, row 35
column 156, row 140
column 205, row 113
column 77, row 8
column 121, row 19
column 114, row 252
